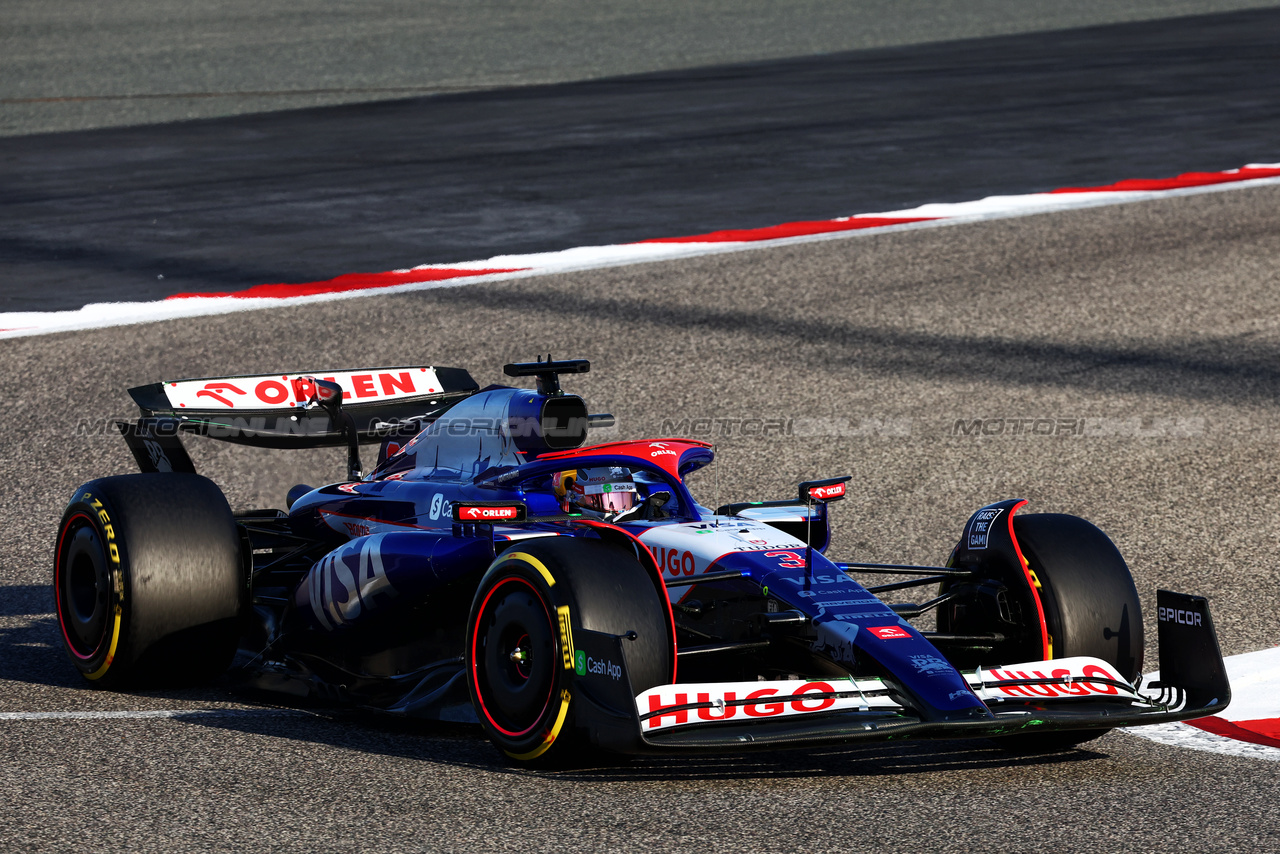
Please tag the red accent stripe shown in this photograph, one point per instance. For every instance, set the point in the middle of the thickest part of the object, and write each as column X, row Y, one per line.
column 1265, row 731
column 1187, row 179
column 475, row 646
column 791, row 229
column 1035, row 594
column 373, row 281
column 57, row 592
column 349, row 282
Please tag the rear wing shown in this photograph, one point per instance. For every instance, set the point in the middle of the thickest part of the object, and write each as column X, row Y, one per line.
column 271, row 411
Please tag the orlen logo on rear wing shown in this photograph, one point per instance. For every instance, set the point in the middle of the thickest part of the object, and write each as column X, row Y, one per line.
column 286, row 391
column 827, row 493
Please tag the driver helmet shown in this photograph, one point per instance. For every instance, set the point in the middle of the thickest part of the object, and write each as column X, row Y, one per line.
column 606, row 490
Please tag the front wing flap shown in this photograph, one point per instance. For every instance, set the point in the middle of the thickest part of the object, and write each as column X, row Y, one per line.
column 1061, row 694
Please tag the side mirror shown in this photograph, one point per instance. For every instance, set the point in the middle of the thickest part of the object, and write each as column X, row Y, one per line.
column 650, row 509
column 654, row 504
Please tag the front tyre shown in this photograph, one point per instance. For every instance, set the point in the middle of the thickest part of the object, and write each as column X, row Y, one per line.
column 1090, row 603
column 520, row 660
column 148, row 580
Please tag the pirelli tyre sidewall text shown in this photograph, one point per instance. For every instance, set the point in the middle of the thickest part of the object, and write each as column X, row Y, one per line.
column 88, row 584
column 148, row 580
column 520, row 651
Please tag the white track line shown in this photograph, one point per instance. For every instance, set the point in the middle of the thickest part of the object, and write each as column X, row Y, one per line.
column 1184, row 735
column 153, row 713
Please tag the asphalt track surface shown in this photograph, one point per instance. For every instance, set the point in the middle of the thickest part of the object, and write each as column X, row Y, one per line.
column 1155, row 322
column 225, row 204
column 1157, row 319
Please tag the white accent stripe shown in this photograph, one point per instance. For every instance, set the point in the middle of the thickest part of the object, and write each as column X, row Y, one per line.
column 98, row 315
column 1184, row 735
column 151, row 713
column 1255, row 696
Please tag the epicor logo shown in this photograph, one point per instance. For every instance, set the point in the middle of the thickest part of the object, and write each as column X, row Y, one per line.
column 1177, row 615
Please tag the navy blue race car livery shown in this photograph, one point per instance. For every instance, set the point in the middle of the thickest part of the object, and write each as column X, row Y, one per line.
column 494, row 567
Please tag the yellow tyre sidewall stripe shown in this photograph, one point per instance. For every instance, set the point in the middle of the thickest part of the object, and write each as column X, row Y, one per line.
column 533, row 562
column 552, row 733
column 111, row 650
column 99, row 519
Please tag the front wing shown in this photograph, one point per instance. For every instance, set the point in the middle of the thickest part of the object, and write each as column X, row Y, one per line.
column 1044, row 696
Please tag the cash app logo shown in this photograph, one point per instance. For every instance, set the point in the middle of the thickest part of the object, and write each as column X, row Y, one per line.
column 580, row 663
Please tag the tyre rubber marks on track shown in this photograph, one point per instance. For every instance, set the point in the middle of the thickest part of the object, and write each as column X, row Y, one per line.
column 16, row 324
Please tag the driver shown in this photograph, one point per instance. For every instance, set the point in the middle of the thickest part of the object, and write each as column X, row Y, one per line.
column 605, row 492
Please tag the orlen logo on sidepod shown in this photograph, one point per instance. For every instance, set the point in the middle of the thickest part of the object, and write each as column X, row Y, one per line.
column 514, row 512
column 482, row 514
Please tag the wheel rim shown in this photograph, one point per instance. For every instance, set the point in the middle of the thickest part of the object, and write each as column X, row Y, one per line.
column 513, row 657
column 83, row 588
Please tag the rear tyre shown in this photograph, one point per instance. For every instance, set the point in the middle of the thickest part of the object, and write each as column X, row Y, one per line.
column 519, row 668
column 148, row 580
column 1091, row 606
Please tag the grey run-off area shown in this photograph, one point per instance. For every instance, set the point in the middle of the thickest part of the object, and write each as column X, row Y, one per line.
column 1163, row 312
column 84, row 64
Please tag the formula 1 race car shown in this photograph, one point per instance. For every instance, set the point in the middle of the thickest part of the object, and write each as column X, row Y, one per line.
column 490, row 568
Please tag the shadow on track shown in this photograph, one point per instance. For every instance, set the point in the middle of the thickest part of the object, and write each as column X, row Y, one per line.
column 464, row 745
column 1227, row 370
column 30, row 653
